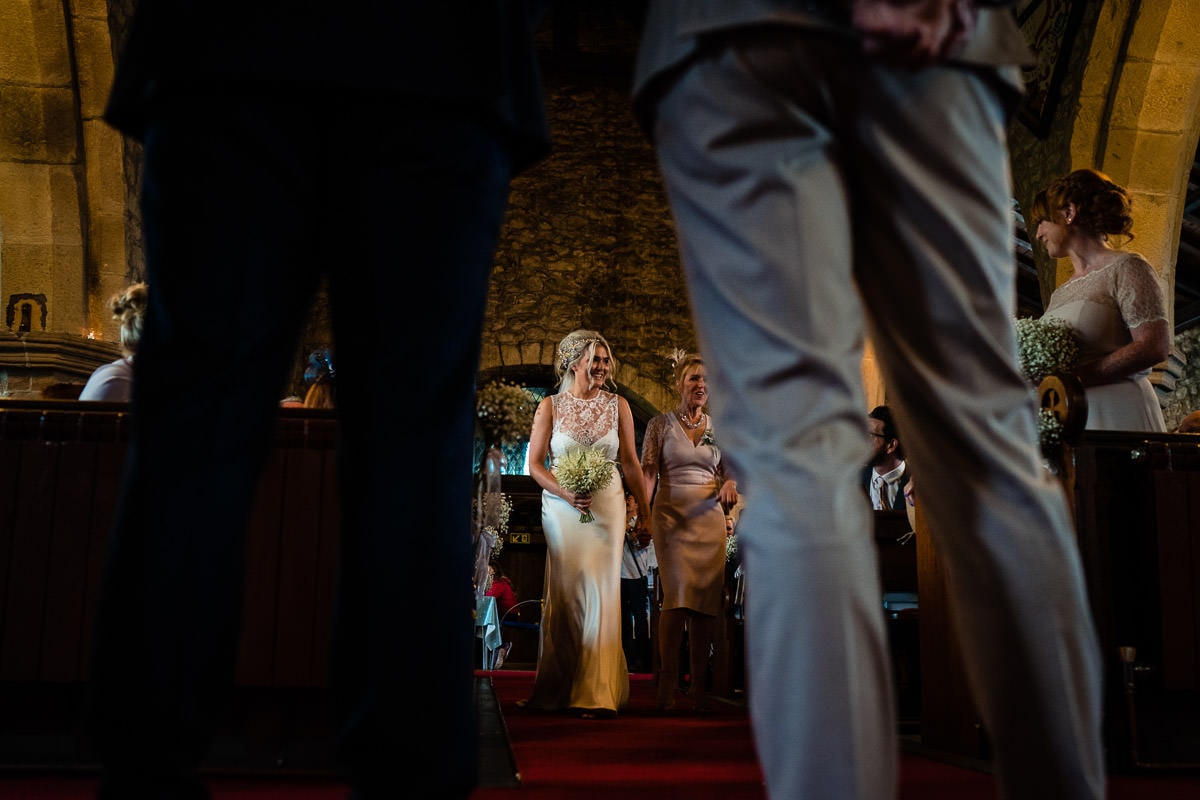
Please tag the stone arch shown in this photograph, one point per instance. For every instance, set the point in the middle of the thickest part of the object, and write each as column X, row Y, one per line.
column 1138, row 117
column 526, row 362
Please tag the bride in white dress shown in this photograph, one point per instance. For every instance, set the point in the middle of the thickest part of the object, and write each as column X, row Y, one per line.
column 1113, row 299
column 581, row 664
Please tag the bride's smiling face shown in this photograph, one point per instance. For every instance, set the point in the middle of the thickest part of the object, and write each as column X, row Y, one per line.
column 597, row 372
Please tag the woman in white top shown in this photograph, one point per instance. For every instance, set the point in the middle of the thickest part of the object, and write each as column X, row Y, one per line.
column 114, row 381
column 1113, row 299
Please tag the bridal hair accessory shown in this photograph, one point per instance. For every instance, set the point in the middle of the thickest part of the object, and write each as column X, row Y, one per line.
column 571, row 348
column 682, row 360
column 675, row 357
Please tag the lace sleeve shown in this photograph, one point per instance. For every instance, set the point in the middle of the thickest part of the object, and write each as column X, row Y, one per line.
column 1138, row 293
column 652, row 443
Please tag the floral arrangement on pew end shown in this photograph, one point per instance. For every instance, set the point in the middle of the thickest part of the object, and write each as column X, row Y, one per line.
column 505, row 412
column 1050, row 431
column 492, row 520
column 1046, row 346
column 584, row 470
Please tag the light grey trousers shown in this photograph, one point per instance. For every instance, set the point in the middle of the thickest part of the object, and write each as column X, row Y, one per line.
column 818, row 196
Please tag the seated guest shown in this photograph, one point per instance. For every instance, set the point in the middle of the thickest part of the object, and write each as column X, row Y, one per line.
column 501, row 588
column 114, row 382
column 886, row 477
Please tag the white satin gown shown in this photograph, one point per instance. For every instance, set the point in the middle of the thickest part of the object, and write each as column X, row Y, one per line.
column 581, row 664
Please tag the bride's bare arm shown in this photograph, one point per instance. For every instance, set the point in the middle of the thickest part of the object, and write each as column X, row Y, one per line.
column 539, row 448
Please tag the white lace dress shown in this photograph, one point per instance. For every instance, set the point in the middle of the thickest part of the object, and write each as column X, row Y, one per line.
column 1102, row 306
column 581, row 664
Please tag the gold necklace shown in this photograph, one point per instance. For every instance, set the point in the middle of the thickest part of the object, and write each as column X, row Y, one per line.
column 687, row 423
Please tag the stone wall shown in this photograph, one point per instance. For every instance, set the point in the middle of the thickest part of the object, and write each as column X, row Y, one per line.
column 1185, row 397
column 589, row 243
column 62, row 192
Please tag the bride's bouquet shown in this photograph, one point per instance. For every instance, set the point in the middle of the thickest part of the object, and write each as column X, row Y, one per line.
column 583, row 470
column 1045, row 346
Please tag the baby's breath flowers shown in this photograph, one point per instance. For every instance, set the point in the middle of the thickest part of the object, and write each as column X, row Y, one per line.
column 505, row 412
column 583, row 470
column 1049, row 429
column 731, row 548
column 1045, row 346
column 493, row 519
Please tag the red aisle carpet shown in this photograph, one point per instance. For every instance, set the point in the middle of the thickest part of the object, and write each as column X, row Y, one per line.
column 641, row 755
column 644, row 755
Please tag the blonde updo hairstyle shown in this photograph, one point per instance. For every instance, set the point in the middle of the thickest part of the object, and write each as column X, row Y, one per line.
column 130, row 308
column 579, row 346
column 1101, row 206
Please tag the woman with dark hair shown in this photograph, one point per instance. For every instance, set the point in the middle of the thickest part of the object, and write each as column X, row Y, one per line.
column 1113, row 299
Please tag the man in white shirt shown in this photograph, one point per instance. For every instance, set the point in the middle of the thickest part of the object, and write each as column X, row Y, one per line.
column 887, row 474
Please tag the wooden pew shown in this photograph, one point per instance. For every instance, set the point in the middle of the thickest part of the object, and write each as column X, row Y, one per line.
column 1136, row 502
column 60, row 469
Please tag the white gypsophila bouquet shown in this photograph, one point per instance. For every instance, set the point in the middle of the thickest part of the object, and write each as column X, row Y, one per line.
column 583, row 470
column 730, row 548
column 1045, row 346
column 505, row 412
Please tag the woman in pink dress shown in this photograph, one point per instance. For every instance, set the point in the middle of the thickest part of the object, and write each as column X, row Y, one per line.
column 685, row 475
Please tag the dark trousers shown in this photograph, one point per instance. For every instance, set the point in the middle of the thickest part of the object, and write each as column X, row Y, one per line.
column 635, row 624
column 250, row 199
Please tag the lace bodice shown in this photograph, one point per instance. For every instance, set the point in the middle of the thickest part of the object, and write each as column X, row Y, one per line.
column 585, row 422
column 1103, row 305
